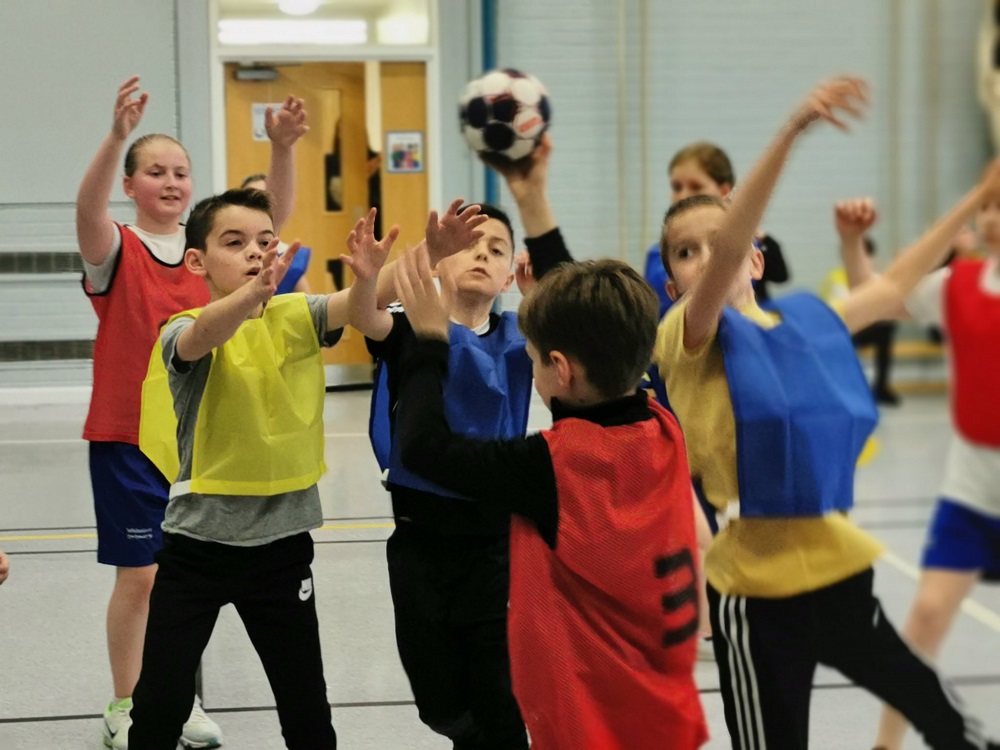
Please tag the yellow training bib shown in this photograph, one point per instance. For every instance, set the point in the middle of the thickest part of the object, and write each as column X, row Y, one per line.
column 259, row 429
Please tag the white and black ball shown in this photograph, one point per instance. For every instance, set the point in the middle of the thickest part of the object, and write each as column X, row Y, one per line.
column 504, row 113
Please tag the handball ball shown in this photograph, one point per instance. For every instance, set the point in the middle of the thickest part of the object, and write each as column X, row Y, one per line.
column 504, row 113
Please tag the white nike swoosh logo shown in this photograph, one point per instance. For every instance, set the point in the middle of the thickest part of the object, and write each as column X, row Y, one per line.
column 306, row 591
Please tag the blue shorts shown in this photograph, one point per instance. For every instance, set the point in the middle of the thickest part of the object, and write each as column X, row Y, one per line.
column 961, row 539
column 130, row 499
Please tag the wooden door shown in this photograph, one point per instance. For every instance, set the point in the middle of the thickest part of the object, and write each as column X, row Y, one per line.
column 336, row 142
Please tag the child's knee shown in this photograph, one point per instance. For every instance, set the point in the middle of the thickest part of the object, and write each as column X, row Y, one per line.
column 135, row 583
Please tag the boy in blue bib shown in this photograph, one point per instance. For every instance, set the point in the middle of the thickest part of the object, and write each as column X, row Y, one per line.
column 449, row 560
column 775, row 412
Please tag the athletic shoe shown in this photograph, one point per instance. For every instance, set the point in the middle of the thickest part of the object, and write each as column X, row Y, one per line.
column 116, row 723
column 199, row 730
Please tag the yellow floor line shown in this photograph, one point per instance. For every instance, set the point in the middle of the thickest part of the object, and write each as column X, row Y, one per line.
column 973, row 609
column 81, row 441
column 55, row 537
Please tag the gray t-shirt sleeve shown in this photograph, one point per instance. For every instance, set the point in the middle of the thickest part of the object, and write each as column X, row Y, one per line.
column 168, row 340
column 187, row 383
column 317, row 309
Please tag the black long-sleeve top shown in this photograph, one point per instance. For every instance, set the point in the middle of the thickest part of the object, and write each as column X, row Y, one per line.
column 514, row 475
column 429, row 510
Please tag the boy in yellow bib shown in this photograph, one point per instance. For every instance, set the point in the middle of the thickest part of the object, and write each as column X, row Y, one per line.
column 232, row 414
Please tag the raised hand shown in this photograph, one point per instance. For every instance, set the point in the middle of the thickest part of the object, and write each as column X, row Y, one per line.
column 4, row 566
column 421, row 300
column 273, row 270
column 454, row 231
column 830, row 100
column 128, row 111
column 853, row 218
column 523, row 273
column 288, row 124
column 368, row 256
column 524, row 175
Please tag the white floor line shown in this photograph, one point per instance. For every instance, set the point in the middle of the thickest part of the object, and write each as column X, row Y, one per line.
column 973, row 609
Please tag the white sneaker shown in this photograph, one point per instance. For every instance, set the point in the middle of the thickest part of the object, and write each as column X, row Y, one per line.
column 199, row 730
column 116, row 723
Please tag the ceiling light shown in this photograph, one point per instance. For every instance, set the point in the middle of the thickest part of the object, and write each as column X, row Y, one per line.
column 298, row 7
column 249, row 31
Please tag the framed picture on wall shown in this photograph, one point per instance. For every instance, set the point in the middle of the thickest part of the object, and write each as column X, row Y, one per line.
column 404, row 151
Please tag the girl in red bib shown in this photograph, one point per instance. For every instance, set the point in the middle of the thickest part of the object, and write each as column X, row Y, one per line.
column 963, row 541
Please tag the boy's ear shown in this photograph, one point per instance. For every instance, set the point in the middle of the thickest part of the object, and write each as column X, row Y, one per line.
column 756, row 265
column 194, row 260
column 725, row 189
column 672, row 290
column 564, row 368
column 506, row 286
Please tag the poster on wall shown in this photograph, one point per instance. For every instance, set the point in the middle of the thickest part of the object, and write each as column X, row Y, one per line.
column 257, row 112
column 405, row 151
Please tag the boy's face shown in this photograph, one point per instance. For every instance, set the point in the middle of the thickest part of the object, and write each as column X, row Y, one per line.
column 234, row 249
column 689, row 252
column 688, row 178
column 483, row 270
column 988, row 226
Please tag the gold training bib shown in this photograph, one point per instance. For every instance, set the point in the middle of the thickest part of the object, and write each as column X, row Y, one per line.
column 259, row 429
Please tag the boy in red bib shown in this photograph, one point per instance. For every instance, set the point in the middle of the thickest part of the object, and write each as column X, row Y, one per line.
column 603, row 596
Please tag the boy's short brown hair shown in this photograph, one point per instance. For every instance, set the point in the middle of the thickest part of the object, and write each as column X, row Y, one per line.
column 199, row 224
column 600, row 312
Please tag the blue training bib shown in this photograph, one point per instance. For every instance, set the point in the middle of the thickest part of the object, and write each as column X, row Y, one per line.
column 295, row 271
column 803, row 409
column 487, row 394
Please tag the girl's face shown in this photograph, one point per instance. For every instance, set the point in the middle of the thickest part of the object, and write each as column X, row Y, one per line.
column 161, row 183
column 688, row 178
column 988, row 226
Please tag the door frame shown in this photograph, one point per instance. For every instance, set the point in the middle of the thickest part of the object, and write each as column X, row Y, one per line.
column 428, row 54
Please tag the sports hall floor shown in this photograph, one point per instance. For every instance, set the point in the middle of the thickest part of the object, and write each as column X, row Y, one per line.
column 54, row 677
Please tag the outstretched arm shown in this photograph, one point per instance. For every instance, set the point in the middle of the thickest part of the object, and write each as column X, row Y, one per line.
column 734, row 238
column 95, row 230
column 527, row 180
column 884, row 295
column 219, row 321
column 284, row 128
column 516, row 474
column 366, row 260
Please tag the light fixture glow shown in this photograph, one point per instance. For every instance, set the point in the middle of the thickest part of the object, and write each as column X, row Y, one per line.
column 249, row 31
column 298, row 7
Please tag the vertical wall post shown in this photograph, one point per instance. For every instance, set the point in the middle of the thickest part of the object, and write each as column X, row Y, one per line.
column 491, row 189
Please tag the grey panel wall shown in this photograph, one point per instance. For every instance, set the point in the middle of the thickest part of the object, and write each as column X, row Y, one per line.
column 459, row 36
column 730, row 71
column 62, row 62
